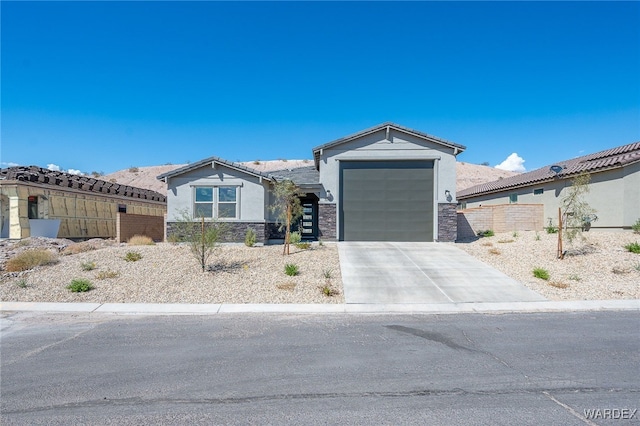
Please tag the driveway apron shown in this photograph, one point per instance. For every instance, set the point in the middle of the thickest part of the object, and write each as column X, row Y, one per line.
column 392, row 272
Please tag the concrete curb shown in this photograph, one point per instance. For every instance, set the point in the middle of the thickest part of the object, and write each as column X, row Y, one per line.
column 211, row 309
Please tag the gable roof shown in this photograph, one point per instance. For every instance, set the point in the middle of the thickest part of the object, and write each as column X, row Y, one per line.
column 39, row 176
column 383, row 126
column 305, row 176
column 613, row 158
column 213, row 160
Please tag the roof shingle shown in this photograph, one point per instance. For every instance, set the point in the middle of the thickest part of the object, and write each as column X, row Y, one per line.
column 604, row 160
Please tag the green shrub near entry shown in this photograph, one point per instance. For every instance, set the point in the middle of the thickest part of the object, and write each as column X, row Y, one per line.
column 487, row 233
column 633, row 247
column 250, row 237
column 295, row 238
column 291, row 269
column 541, row 273
column 132, row 256
column 636, row 227
column 80, row 285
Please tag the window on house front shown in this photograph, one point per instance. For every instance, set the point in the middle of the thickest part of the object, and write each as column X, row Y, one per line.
column 216, row 202
column 538, row 191
column 513, row 198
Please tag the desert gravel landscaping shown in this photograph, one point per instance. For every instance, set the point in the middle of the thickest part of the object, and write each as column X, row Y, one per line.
column 600, row 268
column 167, row 273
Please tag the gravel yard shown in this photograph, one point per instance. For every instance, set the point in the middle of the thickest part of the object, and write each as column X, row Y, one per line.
column 168, row 273
column 599, row 268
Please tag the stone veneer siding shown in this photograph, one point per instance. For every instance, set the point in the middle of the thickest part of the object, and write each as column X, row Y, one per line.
column 447, row 222
column 327, row 222
column 235, row 231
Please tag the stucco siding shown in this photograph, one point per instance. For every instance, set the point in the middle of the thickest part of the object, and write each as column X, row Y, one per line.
column 400, row 146
column 614, row 194
column 251, row 195
column 631, row 194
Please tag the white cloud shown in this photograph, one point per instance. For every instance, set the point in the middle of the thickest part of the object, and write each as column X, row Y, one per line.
column 56, row 168
column 513, row 163
column 9, row 164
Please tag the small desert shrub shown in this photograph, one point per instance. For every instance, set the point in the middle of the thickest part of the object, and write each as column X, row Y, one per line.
column 327, row 274
column 77, row 248
column 133, row 169
column 487, row 233
column 494, row 251
column 541, row 273
column 88, row 266
column 30, row 259
column 132, row 256
column 320, row 243
column 286, row 286
column 558, row 284
column 636, row 227
column 103, row 275
column 506, row 241
column 22, row 283
column 250, row 237
column 515, row 234
column 537, row 236
column 618, row 270
column 173, row 239
column 633, row 247
column 551, row 229
column 574, row 277
column 303, row 245
column 80, row 285
column 487, row 244
column 256, row 162
column 291, row 269
column 295, row 238
column 140, row 240
column 328, row 291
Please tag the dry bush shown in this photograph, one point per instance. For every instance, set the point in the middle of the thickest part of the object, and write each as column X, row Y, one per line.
column 140, row 240
column 78, row 248
column 618, row 270
column 506, row 241
column 30, row 259
column 286, row 286
column 487, row 244
column 103, row 275
column 494, row 251
column 558, row 284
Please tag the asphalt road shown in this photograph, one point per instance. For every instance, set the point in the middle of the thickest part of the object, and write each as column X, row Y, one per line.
column 525, row 369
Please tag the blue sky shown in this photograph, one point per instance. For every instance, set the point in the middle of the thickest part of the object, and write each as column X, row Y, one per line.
column 102, row 86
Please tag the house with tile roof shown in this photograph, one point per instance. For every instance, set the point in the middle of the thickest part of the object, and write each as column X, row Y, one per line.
column 384, row 183
column 40, row 202
column 614, row 189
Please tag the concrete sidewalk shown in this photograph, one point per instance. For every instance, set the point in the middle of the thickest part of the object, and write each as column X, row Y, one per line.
column 417, row 308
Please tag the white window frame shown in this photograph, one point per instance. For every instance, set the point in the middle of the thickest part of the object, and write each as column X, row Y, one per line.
column 216, row 201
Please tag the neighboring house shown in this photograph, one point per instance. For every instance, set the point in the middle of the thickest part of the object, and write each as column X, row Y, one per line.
column 385, row 183
column 41, row 202
column 614, row 187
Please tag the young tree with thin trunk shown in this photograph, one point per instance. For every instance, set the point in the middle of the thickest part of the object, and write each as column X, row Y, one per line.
column 202, row 237
column 576, row 214
column 286, row 207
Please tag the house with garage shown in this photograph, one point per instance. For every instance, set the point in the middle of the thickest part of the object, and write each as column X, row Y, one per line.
column 385, row 183
column 614, row 188
column 47, row 203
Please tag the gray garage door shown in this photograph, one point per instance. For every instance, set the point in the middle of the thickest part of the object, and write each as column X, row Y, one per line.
column 386, row 200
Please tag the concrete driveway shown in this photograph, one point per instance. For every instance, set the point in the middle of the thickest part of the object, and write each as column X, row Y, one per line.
column 388, row 272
